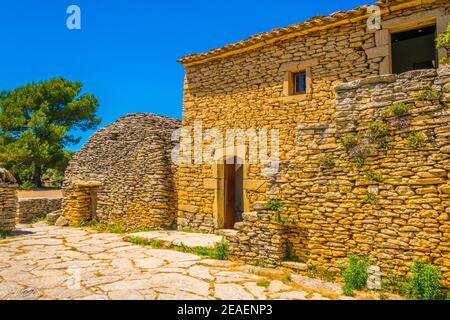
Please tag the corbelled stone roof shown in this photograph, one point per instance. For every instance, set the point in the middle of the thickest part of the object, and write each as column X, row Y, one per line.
column 313, row 24
column 6, row 177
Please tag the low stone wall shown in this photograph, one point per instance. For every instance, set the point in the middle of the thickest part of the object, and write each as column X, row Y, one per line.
column 260, row 240
column 257, row 240
column 8, row 204
column 29, row 209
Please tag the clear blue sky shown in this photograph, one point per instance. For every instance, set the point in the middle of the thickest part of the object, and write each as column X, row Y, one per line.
column 126, row 51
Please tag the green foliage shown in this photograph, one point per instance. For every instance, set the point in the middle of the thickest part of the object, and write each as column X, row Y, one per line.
column 399, row 109
column 350, row 141
column 425, row 281
column 289, row 254
column 263, row 283
column 145, row 242
column 321, row 273
column 327, row 162
column 221, row 251
column 36, row 122
column 280, row 219
column 429, row 95
column 416, row 140
column 378, row 130
column 5, row 234
column 274, row 205
column 443, row 39
column 359, row 162
column 53, row 177
column 374, row 176
column 371, row 198
column 395, row 284
column 355, row 274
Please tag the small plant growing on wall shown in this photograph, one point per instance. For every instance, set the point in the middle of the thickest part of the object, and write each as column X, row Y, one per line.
column 275, row 205
column 442, row 41
column 397, row 109
column 355, row 274
column 371, row 198
column 359, row 162
column 416, row 140
column 378, row 132
column 327, row 162
column 350, row 141
column 374, row 176
column 429, row 95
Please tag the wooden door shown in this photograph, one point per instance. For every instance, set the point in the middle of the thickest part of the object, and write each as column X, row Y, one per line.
column 229, row 195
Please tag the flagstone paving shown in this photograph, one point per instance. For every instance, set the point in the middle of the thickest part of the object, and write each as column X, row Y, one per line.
column 47, row 262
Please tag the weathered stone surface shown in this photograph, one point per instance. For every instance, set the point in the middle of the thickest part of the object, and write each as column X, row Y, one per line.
column 45, row 262
column 8, row 201
column 232, row 292
column 37, row 208
column 61, row 222
column 125, row 171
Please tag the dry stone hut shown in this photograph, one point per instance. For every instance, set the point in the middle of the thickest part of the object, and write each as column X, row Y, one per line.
column 8, row 201
column 124, row 174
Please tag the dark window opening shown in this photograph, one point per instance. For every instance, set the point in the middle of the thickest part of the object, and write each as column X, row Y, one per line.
column 414, row 50
column 299, row 83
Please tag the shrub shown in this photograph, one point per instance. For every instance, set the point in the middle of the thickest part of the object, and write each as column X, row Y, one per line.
column 416, row 139
column 359, row 162
column 378, row 130
column 221, row 250
column 327, row 162
column 374, row 176
column 429, row 94
column 426, row 281
column 350, row 141
column 355, row 274
column 274, row 205
column 443, row 39
column 399, row 109
column 371, row 198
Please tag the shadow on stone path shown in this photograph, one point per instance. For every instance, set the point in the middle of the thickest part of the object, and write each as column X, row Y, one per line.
column 46, row 262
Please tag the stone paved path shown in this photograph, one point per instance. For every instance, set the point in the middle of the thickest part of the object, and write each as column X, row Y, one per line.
column 46, row 262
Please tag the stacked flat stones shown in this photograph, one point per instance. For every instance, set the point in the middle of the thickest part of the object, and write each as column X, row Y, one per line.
column 126, row 168
column 8, row 201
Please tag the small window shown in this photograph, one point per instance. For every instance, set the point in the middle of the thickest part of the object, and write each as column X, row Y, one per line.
column 414, row 49
column 299, row 83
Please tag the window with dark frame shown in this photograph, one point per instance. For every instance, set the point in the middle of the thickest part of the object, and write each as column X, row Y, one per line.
column 299, row 83
column 414, row 49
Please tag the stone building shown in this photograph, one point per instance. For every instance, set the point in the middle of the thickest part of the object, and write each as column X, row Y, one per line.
column 125, row 175
column 312, row 88
column 8, row 201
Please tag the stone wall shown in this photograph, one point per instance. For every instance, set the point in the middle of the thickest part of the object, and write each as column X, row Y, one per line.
column 125, row 175
column 247, row 90
column 8, row 201
column 393, row 207
column 29, row 209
